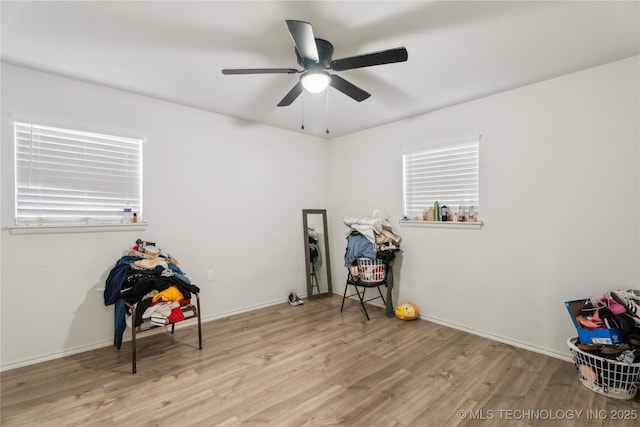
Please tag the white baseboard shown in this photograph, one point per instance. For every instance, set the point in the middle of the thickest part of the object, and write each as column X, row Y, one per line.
column 245, row 309
column 127, row 337
column 53, row 356
column 504, row 340
column 510, row 341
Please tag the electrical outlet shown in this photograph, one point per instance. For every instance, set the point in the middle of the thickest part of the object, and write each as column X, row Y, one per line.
column 210, row 275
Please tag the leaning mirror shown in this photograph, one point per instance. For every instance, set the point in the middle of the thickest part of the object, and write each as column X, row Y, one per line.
column 316, row 253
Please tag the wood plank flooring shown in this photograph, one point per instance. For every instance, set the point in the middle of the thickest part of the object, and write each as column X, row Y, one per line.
column 309, row 365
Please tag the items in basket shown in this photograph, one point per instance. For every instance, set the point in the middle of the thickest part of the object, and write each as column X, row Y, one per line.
column 611, row 350
column 588, row 330
column 630, row 300
column 613, row 376
column 355, row 275
column 370, row 270
column 607, row 350
column 610, row 320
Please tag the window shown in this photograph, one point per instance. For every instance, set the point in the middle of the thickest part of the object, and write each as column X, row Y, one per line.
column 66, row 176
column 445, row 173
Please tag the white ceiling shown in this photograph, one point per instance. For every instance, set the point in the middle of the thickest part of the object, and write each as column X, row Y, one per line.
column 458, row 51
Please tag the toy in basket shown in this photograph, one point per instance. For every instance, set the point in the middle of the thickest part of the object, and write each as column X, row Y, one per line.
column 608, row 377
column 371, row 270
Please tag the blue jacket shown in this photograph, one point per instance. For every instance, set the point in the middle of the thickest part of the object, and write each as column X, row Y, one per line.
column 117, row 277
column 358, row 246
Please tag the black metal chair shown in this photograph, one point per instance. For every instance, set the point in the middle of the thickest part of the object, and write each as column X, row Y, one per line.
column 193, row 312
column 372, row 273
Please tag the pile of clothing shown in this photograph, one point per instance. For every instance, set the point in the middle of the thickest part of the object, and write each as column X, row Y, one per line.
column 618, row 309
column 370, row 237
column 152, row 281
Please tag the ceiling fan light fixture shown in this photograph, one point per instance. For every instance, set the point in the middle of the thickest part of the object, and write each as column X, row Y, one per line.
column 316, row 82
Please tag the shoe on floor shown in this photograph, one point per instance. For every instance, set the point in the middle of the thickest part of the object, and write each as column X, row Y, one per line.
column 298, row 300
column 293, row 299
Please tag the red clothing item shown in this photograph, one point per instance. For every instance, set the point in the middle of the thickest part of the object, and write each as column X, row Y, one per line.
column 176, row 315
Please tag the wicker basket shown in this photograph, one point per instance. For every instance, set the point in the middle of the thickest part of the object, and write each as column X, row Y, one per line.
column 371, row 270
column 608, row 377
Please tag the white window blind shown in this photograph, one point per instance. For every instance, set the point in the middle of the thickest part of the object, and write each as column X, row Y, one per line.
column 447, row 174
column 69, row 176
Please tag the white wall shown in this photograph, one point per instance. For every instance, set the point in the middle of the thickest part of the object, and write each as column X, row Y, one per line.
column 560, row 174
column 220, row 194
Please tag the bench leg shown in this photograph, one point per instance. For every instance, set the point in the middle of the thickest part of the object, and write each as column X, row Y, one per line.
column 133, row 339
column 199, row 323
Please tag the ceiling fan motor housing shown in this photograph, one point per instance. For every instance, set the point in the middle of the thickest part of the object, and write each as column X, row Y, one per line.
column 325, row 53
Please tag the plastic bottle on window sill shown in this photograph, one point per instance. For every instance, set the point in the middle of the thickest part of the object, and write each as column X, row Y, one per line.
column 445, row 213
column 463, row 213
column 430, row 213
column 436, row 211
column 126, row 215
column 135, row 217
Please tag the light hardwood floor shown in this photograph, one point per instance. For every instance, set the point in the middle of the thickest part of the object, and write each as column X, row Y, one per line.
column 305, row 366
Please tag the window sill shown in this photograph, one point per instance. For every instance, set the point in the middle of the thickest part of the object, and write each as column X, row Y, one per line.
column 475, row 225
column 74, row 228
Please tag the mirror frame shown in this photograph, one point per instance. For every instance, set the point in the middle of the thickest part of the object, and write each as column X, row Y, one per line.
column 307, row 257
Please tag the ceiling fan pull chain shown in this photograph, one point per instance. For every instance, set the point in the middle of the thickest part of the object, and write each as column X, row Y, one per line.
column 302, row 127
column 327, row 97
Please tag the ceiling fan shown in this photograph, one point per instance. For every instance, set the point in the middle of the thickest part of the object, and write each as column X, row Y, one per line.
column 314, row 55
